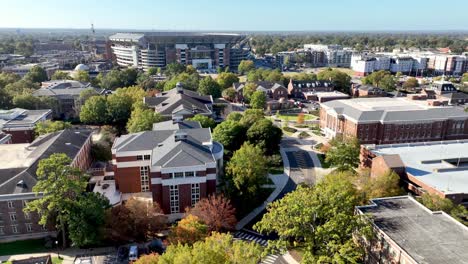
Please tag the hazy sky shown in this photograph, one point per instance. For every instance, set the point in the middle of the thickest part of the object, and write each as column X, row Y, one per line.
column 276, row 15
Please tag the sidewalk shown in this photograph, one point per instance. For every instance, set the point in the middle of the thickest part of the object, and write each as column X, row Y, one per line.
column 67, row 255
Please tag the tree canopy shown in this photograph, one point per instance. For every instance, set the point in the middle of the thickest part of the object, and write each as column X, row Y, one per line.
column 216, row 212
column 341, row 80
column 142, row 119
column 205, row 121
column 50, row 126
column 208, row 86
column 36, row 74
column 226, row 79
column 264, row 134
column 245, row 66
column 188, row 231
column 343, row 153
column 94, row 111
column 258, row 100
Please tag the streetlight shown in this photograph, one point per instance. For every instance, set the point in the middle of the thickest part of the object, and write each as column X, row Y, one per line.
column 56, row 244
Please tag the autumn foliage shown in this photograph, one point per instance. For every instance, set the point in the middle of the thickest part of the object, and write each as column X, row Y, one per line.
column 188, row 231
column 216, row 212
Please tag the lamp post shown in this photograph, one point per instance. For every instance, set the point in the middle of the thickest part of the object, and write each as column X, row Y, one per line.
column 56, row 244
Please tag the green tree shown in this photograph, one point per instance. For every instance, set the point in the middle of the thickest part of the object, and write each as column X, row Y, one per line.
column 86, row 94
column 234, row 116
column 437, row 203
column 251, row 116
column 303, row 76
column 464, row 77
column 29, row 101
column 226, row 79
column 248, row 90
column 5, row 99
column 153, row 71
column 274, row 76
column 119, row 108
column 208, row 86
column 205, row 121
column 60, row 75
column 410, row 83
column 388, row 83
column 247, row 169
column 94, row 111
column 217, row 248
column 142, row 120
column 343, row 153
column 265, row 135
column 229, row 133
column 36, row 74
column 7, row 78
column 245, row 66
column 229, row 94
column 258, row 100
column 110, row 80
column 60, row 185
column 50, row 126
column 189, row 81
column 341, row 80
column 174, row 68
column 82, row 76
column 24, row 86
column 385, row 185
column 152, row 258
column 320, row 220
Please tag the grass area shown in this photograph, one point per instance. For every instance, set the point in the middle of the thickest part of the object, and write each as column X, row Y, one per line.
column 348, row 71
column 289, row 130
column 324, row 163
column 56, row 260
column 293, row 117
column 303, row 134
column 22, row 247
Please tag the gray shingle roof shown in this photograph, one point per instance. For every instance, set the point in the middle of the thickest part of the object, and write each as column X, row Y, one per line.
column 171, row 125
column 171, row 102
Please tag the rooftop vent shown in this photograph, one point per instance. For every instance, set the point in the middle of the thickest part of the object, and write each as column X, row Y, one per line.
column 179, row 136
column 68, row 143
column 177, row 119
column 179, row 88
column 21, row 184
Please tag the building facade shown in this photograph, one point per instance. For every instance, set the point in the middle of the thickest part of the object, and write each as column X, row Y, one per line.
column 204, row 51
column 384, row 120
column 299, row 89
column 334, row 55
column 20, row 123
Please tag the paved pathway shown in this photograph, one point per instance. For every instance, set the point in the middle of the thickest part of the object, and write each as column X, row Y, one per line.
column 68, row 255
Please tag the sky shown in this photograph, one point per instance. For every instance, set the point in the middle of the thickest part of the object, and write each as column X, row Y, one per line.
column 238, row 15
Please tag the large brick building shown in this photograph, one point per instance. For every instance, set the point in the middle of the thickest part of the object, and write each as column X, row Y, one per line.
column 437, row 167
column 177, row 163
column 385, row 120
column 304, row 89
column 20, row 123
column 18, row 165
column 406, row 232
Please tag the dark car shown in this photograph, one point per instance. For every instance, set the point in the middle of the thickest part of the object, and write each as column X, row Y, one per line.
column 122, row 253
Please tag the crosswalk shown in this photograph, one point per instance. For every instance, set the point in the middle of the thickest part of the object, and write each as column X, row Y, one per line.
column 250, row 236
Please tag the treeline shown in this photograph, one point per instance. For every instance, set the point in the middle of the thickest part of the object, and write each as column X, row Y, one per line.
column 383, row 42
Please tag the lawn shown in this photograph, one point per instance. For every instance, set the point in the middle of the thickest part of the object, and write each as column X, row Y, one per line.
column 55, row 260
column 324, row 163
column 22, row 247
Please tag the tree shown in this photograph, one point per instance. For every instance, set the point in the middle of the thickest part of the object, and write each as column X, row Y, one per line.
column 86, row 94
column 464, row 77
column 227, row 79
column 152, row 258
column 86, row 219
column 142, row 119
column 274, row 76
column 60, row 185
column 208, row 86
column 343, row 153
column 205, row 121
column 300, row 118
column 119, row 108
column 173, row 69
column 189, row 81
column 29, row 101
column 247, row 169
column 36, row 74
column 7, row 78
column 385, row 185
column 229, row 133
column 94, row 111
column 265, row 135
column 60, row 75
column 248, row 90
column 217, row 248
column 437, row 203
column 24, row 86
column 50, row 126
column 229, row 94
column 234, row 116
column 341, row 80
column 388, row 83
column 304, row 76
column 245, row 66
column 5, row 99
column 320, row 220
column 188, row 231
column 82, row 76
column 411, row 83
column 258, row 100
column 251, row 116
column 135, row 220
column 216, row 212
column 153, row 71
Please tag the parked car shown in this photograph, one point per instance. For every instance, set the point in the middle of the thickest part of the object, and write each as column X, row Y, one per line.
column 133, row 253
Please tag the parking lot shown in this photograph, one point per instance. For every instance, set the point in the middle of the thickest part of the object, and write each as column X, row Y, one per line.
column 99, row 259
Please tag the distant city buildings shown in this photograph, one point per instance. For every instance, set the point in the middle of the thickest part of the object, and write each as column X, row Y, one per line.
column 20, row 123
column 384, row 120
column 408, row 232
column 204, row 51
column 334, row 55
column 18, row 166
column 23, row 69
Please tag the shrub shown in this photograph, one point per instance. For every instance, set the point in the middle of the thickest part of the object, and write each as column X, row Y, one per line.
column 290, row 129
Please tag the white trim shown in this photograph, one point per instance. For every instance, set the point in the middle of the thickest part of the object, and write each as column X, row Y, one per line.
column 156, row 181
column 211, row 176
column 121, row 154
column 181, row 169
column 129, row 164
column 179, row 181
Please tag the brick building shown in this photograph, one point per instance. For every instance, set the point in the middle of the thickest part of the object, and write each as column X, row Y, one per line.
column 20, row 123
column 298, row 89
column 437, row 167
column 367, row 91
column 384, row 120
column 177, row 163
column 407, row 232
column 18, row 165
column 273, row 90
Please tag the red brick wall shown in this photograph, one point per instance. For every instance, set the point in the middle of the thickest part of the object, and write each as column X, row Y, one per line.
column 210, row 187
column 124, row 159
column 21, row 136
column 128, row 179
column 185, row 196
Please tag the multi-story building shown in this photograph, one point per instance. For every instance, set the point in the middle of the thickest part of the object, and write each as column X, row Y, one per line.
column 437, row 167
column 20, row 123
column 300, row 89
column 157, row 49
column 18, row 166
column 273, row 90
column 177, row 163
column 67, row 94
column 180, row 102
column 310, row 58
column 384, row 120
column 358, row 90
column 408, row 232
column 335, row 55
column 23, row 69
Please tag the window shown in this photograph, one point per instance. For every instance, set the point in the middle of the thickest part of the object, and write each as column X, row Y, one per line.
column 10, row 204
column 13, row 217
column 146, row 157
column 2, row 231
column 144, row 176
column 14, row 229
column 1, row 218
column 27, row 215
column 174, row 198
column 189, row 173
column 195, row 193
column 139, row 157
column 25, row 203
column 29, row 227
column 178, row 174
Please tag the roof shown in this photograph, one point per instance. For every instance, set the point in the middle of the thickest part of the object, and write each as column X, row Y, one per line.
column 428, row 237
column 18, row 117
column 177, row 37
column 175, row 100
column 261, row 86
column 456, row 96
column 311, row 84
column 443, row 165
column 391, row 110
column 173, row 125
column 19, row 162
column 61, row 88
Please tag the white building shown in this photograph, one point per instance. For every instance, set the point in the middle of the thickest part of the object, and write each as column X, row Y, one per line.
column 22, row 70
column 335, row 55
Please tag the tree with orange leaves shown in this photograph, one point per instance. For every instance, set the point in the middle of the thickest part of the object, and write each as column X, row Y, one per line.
column 216, row 212
column 188, row 231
